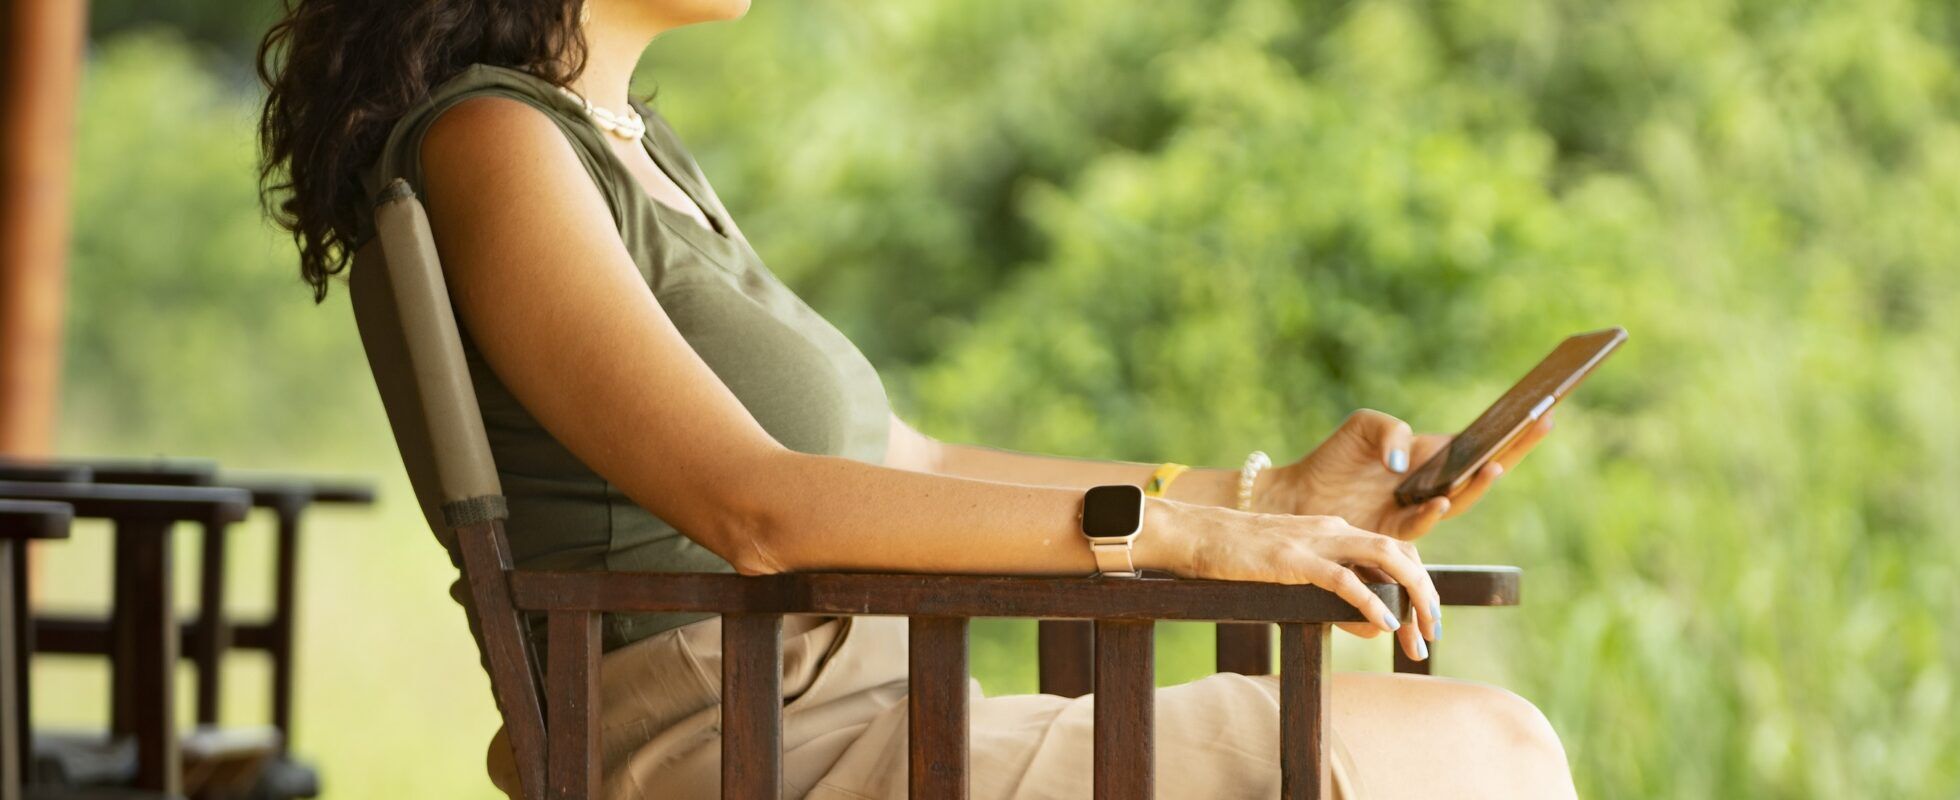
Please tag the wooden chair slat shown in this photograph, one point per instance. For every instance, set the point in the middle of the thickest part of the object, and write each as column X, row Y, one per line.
column 214, row 632
column 938, row 712
column 1125, row 709
column 1245, row 648
column 513, row 673
column 146, row 631
column 1408, row 666
column 751, row 706
column 1067, row 656
column 1303, row 704
column 279, row 641
column 572, row 662
column 12, row 733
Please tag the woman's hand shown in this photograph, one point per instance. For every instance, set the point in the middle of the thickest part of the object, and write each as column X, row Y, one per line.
column 1353, row 475
column 1324, row 551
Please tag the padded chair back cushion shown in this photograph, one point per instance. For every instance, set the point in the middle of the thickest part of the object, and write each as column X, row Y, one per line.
column 408, row 328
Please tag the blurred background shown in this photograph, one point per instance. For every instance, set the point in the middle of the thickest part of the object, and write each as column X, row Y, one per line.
column 1184, row 230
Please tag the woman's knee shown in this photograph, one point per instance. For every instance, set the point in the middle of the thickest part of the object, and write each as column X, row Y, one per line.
column 1488, row 741
column 1513, row 724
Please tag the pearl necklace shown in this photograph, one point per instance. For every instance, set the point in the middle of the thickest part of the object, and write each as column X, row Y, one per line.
column 630, row 127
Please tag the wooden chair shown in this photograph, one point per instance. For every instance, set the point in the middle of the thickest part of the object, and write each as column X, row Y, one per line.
column 143, row 630
column 20, row 522
column 215, row 631
column 547, row 699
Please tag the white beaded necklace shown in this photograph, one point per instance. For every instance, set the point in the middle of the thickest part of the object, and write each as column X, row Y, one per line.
column 630, row 127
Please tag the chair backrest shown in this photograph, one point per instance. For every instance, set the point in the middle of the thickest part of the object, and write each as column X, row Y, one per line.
column 415, row 350
column 408, row 328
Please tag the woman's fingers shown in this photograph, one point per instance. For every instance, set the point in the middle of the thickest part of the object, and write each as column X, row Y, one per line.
column 1395, row 441
column 1414, row 521
column 1345, row 584
column 1365, row 630
column 1399, row 561
column 1385, row 436
column 1473, row 491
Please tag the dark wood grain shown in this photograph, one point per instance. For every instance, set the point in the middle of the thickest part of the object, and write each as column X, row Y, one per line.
column 1245, row 648
column 513, row 674
column 22, row 635
column 74, row 634
column 45, row 473
column 152, row 471
column 1409, row 666
column 149, row 632
column 938, row 710
column 214, row 632
column 751, row 706
column 285, row 616
column 35, row 519
column 12, row 754
column 1066, row 650
column 123, row 502
column 1125, row 709
column 1303, row 709
column 573, row 761
column 1474, row 585
column 937, row 595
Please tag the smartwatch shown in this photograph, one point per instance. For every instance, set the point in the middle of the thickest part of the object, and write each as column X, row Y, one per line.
column 1112, row 517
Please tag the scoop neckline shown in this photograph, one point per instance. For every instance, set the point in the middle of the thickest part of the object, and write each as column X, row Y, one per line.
column 716, row 227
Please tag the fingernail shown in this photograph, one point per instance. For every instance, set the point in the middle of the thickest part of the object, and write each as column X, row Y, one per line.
column 1436, row 620
column 1500, row 470
column 1398, row 460
column 1391, row 624
column 1422, row 650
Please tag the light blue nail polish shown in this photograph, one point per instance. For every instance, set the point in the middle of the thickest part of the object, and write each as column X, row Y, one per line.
column 1392, row 624
column 1439, row 631
column 1422, row 650
column 1398, row 460
column 1436, row 626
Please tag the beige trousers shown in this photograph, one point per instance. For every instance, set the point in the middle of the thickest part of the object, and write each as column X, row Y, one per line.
column 844, row 725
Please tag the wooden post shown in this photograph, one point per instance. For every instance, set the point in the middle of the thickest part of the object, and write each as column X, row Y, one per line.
column 40, row 78
column 1125, row 710
column 939, row 720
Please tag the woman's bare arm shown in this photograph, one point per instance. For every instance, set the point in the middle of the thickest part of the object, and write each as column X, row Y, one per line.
column 910, row 449
column 547, row 290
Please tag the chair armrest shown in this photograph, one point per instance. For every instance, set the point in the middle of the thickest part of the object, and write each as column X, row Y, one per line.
column 1476, row 584
column 851, row 594
column 136, row 471
column 120, row 502
column 279, row 491
column 12, row 470
column 25, row 519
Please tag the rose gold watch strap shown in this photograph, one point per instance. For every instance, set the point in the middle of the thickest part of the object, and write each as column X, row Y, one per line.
column 1113, row 559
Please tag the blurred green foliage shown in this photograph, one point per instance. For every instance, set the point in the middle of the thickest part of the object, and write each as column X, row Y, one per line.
column 1186, row 230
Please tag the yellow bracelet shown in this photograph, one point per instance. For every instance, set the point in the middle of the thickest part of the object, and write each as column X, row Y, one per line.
column 1160, row 481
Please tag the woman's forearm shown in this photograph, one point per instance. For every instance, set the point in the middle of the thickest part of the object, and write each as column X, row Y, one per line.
column 825, row 513
column 797, row 512
column 914, row 450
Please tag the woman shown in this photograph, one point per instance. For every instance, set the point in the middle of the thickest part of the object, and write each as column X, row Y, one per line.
column 657, row 400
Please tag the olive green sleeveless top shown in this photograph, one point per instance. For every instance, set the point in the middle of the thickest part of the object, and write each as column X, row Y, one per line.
column 806, row 384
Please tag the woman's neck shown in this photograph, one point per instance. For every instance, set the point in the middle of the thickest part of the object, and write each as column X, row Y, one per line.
column 614, row 42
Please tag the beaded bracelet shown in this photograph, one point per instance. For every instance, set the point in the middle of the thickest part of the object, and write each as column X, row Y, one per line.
column 1254, row 461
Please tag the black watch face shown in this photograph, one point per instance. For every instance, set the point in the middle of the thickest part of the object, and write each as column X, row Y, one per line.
column 1115, row 510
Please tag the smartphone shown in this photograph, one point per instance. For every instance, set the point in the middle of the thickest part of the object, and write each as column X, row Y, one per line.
column 1447, row 471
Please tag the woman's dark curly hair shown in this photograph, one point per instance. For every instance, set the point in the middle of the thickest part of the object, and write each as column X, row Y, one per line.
column 340, row 73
